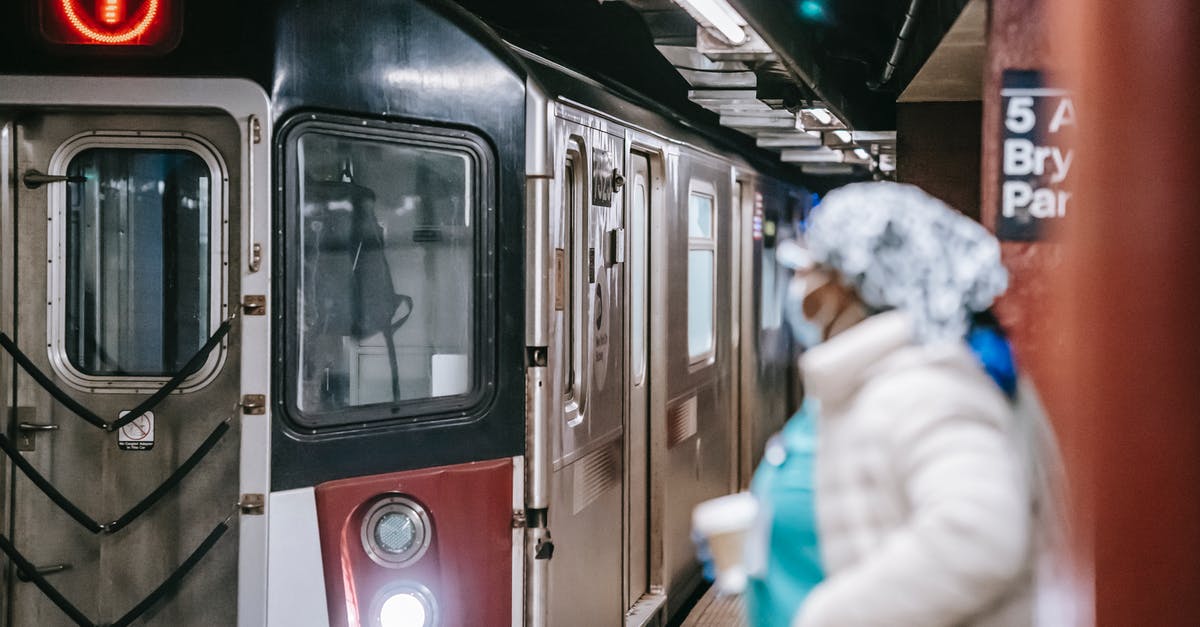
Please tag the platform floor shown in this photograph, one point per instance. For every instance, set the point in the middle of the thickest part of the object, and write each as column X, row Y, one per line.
column 716, row 611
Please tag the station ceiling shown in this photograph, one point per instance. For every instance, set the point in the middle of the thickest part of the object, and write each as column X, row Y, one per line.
column 851, row 58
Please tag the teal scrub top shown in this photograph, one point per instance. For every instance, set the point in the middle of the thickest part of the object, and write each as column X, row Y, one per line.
column 785, row 486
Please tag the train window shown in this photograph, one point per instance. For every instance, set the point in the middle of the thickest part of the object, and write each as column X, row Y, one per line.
column 773, row 282
column 701, row 272
column 578, row 281
column 390, row 291
column 137, row 258
column 637, row 268
column 572, row 268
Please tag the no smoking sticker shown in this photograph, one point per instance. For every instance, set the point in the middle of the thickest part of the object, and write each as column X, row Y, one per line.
column 137, row 435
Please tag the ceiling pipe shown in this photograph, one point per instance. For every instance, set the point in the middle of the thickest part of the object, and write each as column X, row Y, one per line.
column 906, row 30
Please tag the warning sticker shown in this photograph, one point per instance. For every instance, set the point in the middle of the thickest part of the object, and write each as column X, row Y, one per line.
column 137, row 435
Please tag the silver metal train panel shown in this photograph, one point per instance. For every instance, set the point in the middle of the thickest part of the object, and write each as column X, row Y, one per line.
column 683, row 426
column 208, row 132
column 588, row 370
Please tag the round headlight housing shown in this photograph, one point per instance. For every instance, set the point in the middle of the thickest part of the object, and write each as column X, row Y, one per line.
column 405, row 604
column 396, row 531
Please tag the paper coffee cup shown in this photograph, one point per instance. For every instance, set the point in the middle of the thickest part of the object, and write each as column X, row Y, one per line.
column 724, row 523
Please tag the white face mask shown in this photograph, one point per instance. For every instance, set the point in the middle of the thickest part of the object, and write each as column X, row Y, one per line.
column 805, row 332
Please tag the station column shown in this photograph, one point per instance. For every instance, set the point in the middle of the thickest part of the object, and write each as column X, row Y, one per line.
column 1126, row 302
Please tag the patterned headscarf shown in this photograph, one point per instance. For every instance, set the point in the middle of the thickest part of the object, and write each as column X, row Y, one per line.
column 904, row 249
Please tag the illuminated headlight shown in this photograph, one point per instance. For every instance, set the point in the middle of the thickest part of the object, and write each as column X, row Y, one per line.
column 396, row 532
column 407, row 604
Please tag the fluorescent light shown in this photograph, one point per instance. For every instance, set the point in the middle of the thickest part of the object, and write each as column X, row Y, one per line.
column 862, row 154
column 843, row 136
column 719, row 15
column 824, row 116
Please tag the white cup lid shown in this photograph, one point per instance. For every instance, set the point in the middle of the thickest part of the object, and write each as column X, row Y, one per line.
column 734, row 512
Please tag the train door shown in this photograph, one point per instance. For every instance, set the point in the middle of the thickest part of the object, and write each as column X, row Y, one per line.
column 694, row 370
column 637, row 478
column 586, row 511
column 124, row 251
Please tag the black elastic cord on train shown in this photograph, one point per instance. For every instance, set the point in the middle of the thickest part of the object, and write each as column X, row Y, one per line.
column 166, row 486
column 165, row 588
column 48, row 385
column 30, row 571
column 48, row 488
column 191, row 367
column 140, row 508
column 172, row 582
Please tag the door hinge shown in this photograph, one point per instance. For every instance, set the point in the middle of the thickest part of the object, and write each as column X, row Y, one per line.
column 544, row 549
column 251, row 504
column 518, row 519
column 615, row 246
column 254, row 305
column 254, row 404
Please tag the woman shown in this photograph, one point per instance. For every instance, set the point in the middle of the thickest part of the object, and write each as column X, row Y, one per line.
column 917, row 507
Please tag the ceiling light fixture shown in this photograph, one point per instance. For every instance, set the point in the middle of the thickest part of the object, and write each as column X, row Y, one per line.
column 818, row 119
column 820, row 114
column 719, row 15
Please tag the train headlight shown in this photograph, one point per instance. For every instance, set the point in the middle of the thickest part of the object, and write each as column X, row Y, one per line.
column 408, row 604
column 396, row 532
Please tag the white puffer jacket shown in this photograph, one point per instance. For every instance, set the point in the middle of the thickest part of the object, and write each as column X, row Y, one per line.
column 923, row 506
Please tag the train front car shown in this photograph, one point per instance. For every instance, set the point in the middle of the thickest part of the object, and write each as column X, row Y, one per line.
column 290, row 237
column 399, row 394
column 323, row 314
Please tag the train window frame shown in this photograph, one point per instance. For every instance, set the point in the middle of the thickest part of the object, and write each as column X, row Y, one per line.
column 576, row 196
column 483, row 367
column 703, row 189
column 56, row 239
column 639, row 268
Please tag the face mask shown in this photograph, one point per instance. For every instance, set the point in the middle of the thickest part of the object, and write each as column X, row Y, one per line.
column 805, row 332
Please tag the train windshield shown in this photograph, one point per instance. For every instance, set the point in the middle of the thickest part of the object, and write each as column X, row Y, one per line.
column 385, row 301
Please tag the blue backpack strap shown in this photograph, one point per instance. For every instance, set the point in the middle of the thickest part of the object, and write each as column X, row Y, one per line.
column 995, row 354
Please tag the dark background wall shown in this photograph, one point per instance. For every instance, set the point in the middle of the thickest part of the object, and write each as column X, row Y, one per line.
column 938, row 149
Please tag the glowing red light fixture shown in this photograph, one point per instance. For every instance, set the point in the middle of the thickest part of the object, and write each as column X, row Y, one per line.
column 150, row 25
column 109, row 8
column 112, row 11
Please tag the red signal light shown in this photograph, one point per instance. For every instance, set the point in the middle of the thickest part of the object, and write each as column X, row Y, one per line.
column 111, row 11
column 152, row 25
column 109, row 14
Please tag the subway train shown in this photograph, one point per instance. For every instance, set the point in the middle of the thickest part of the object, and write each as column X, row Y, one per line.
column 327, row 316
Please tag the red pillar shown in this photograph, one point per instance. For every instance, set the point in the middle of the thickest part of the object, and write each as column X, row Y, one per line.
column 1127, row 395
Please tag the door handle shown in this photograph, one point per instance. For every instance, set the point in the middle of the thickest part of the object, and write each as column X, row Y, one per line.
column 43, row 570
column 30, row 426
column 34, row 179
